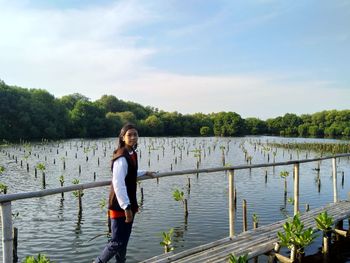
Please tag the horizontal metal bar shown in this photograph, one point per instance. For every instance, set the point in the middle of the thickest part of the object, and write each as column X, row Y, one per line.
column 26, row 195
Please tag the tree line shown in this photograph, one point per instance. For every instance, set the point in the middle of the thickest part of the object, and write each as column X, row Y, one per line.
column 37, row 114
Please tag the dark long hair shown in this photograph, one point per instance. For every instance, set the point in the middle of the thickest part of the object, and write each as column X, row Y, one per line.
column 122, row 133
column 121, row 143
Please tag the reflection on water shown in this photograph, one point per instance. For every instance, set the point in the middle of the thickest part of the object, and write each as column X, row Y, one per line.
column 54, row 226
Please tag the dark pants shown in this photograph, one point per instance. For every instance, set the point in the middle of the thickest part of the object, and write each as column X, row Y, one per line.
column 117, row 245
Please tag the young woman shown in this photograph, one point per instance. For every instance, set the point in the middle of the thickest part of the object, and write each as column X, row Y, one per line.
column 122, row 198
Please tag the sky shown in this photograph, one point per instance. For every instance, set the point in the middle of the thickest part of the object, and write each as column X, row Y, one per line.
column 258, row 58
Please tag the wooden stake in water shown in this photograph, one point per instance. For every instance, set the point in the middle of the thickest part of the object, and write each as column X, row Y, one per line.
column 44, row 180
column 185, row 208
column 15, row 244
column 245, row 228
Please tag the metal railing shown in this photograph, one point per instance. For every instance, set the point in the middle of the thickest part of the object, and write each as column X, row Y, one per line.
column 6, row 210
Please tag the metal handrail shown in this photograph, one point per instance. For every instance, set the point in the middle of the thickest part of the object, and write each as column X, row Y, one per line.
column 6, row 210
column 46, row 192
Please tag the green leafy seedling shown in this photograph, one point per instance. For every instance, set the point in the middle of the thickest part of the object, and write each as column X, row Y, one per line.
column 324, row 222
column 167, row 240
column 240, row 259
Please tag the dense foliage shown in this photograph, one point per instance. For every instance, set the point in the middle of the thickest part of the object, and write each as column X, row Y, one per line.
column 36, row 114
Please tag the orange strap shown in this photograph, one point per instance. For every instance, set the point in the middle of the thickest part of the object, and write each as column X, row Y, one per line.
column 115, row 214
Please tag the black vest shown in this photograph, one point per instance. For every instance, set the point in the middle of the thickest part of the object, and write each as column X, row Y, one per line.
column 130, row 181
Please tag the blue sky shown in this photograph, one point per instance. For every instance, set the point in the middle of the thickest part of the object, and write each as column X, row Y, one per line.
column 259, row 58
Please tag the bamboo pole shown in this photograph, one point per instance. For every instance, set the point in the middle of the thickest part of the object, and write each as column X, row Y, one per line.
column 296, row 188
column 7, row 238
column 244, row 215
column 231, row 203
column 335, row 192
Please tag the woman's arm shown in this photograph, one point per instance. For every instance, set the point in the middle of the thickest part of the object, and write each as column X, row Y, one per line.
column 120, row 169
column 141, row 173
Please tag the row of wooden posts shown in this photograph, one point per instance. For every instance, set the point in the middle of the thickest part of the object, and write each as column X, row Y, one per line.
column 6, row 207
column 296, row 164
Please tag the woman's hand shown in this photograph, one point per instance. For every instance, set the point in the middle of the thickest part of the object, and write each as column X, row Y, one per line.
column 151, row 174
column 128, row 216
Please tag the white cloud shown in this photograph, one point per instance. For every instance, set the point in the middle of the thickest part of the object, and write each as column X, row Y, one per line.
column 88, row 51
column 70, row 49
column 260, row 96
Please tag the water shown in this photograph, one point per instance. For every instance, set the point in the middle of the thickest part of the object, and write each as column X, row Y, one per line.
column 51, row 226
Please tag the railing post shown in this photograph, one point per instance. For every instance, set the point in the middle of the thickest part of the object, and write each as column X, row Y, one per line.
column 335, row 192
column 296, row 188
column 7, row 239
column 231, row 202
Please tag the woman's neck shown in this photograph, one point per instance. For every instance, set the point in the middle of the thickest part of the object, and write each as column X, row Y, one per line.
column 129, row 148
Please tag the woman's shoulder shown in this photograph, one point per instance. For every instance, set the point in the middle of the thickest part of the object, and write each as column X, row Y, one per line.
column 119, row 153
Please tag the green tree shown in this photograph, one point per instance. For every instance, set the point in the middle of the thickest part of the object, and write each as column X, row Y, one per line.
column 255, row 126
column 303, row 130
column 315, row 131
column 228, row 124
column 154, row 125
column 111, row 104
column 69, row 101
column 114, row 124
column 204, row 131
column 172, row 123
column 88, row 120
column 127, row 116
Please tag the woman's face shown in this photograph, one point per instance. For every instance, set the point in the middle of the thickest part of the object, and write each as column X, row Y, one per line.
column 130, row 137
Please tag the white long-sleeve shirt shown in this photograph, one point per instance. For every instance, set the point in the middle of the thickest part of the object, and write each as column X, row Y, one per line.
column 120, row 169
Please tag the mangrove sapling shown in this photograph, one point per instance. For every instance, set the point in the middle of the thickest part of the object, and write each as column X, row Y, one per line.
column 103, row 204
column 255, row 221
column 295, row 237
column 86, row 151
column 26, row 156
column 3, row 188
column 240, row 259
column 284, row 175
column 325, row 223
column 274, row 156
column 61, row 179
column 197, row 153
column 167, row 240
column 179, row 196
column 41, row 167
column 78, row 194
column 40, row 259
column 2, row 169
column 103, row 207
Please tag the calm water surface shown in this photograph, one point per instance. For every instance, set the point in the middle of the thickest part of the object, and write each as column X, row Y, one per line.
column 52, row 226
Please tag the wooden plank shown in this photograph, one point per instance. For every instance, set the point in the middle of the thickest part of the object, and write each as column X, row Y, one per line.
column 254, row 242
column 308, row 221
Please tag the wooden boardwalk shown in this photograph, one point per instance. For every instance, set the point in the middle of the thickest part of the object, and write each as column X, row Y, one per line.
column 253, row 242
